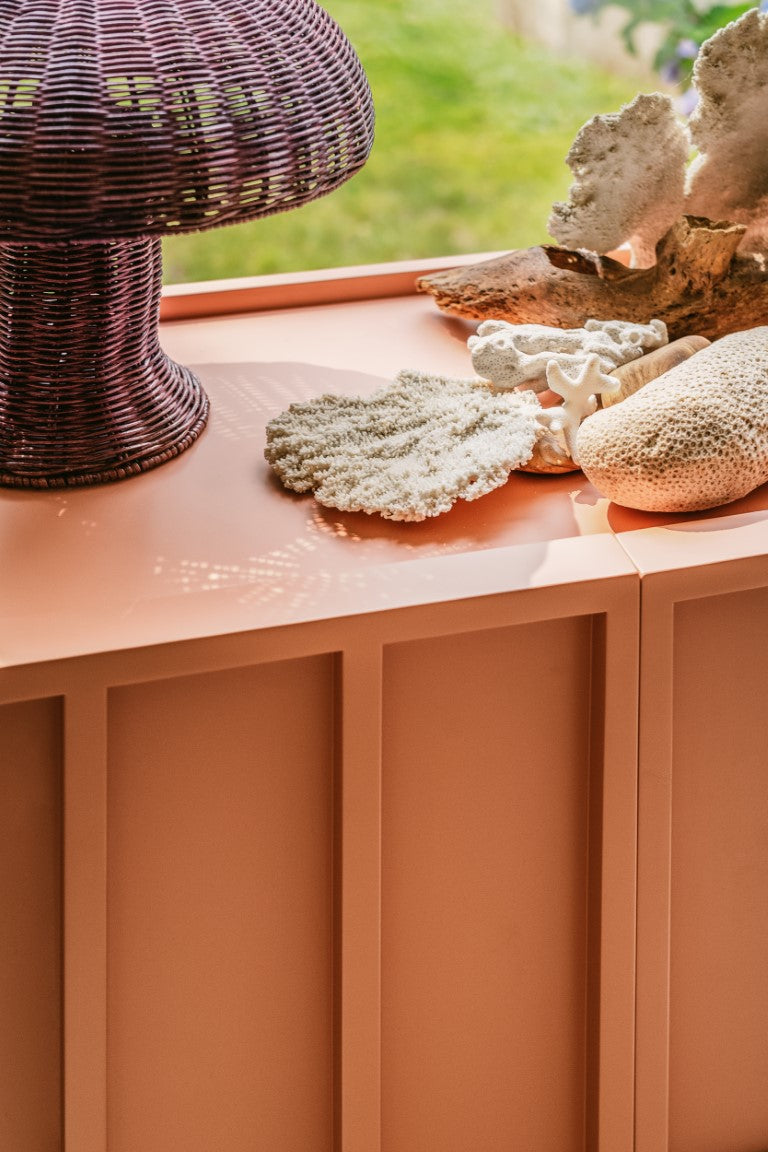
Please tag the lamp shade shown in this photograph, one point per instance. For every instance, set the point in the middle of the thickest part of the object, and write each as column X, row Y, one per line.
column 122, row 121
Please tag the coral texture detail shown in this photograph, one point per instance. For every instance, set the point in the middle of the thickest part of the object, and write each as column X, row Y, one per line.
column 729, row 178
column 409, row 451
column 509, row 355
column 695, row 437
column 629, row 169
column 553, row 451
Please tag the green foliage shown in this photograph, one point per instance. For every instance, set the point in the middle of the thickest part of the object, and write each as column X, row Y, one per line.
column 686, row 28
column 472, row 129
column 693, row 28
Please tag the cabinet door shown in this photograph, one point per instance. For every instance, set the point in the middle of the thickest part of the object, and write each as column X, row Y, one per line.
column 487, row 874
column 487, row 895
column 364, row 886
column 703, row 861
column 219, row 911
column 497, row 1031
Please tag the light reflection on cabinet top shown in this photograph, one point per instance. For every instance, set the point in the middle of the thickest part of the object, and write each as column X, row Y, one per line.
column 210, row 543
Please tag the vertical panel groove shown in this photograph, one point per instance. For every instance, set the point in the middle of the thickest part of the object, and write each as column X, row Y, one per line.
column 85, row 920
column 358, row 928
column 594, row 885
column 615, row 670
column 654, row 852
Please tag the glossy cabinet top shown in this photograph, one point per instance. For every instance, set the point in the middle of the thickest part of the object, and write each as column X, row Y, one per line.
column 210, row 543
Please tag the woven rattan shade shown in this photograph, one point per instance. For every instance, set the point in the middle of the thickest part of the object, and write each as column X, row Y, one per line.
column 122, row 121
column 129, row 118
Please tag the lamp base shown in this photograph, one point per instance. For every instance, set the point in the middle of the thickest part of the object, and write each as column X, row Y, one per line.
column 87, row 395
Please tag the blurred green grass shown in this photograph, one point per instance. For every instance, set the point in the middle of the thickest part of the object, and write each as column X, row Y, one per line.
column 472, row 129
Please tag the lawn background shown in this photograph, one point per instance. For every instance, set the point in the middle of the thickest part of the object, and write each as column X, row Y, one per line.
column 472, row 129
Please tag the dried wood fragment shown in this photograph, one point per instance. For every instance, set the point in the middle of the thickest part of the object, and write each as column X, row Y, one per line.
column 698, row 284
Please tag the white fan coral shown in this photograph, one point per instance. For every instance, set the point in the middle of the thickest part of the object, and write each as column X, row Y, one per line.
column 729, row 178
column 409, row 451
column 629, row 169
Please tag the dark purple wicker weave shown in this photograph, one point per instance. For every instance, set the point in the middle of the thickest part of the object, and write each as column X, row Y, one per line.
column 122, row 121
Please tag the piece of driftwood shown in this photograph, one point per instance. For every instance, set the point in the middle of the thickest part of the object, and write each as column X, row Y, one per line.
column 698, row 284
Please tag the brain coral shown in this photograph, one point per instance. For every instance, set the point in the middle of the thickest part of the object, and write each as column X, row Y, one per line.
column 409, row 451
column 695, row 437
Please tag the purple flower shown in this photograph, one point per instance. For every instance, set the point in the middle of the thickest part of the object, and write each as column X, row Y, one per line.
column 581, row 7
column 670, row 71
column 687, row 49
column 687, row 101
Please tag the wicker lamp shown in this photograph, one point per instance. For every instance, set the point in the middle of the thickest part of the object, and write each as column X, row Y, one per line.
column 122, row 121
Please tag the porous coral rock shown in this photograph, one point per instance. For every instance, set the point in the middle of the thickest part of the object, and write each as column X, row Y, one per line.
column 409, row 451
column 552, row 452
column 729, row 178
column 509, row 355
column 695, row 437
column 629, row 169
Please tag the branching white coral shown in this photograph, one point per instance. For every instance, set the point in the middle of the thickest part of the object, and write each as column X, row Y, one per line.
column 629, row 169
column 509, row 355
column 407, row 452
column 729, row 178
column 579, row 399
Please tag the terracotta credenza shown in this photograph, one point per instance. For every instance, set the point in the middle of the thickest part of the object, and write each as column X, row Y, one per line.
column 321, row 833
